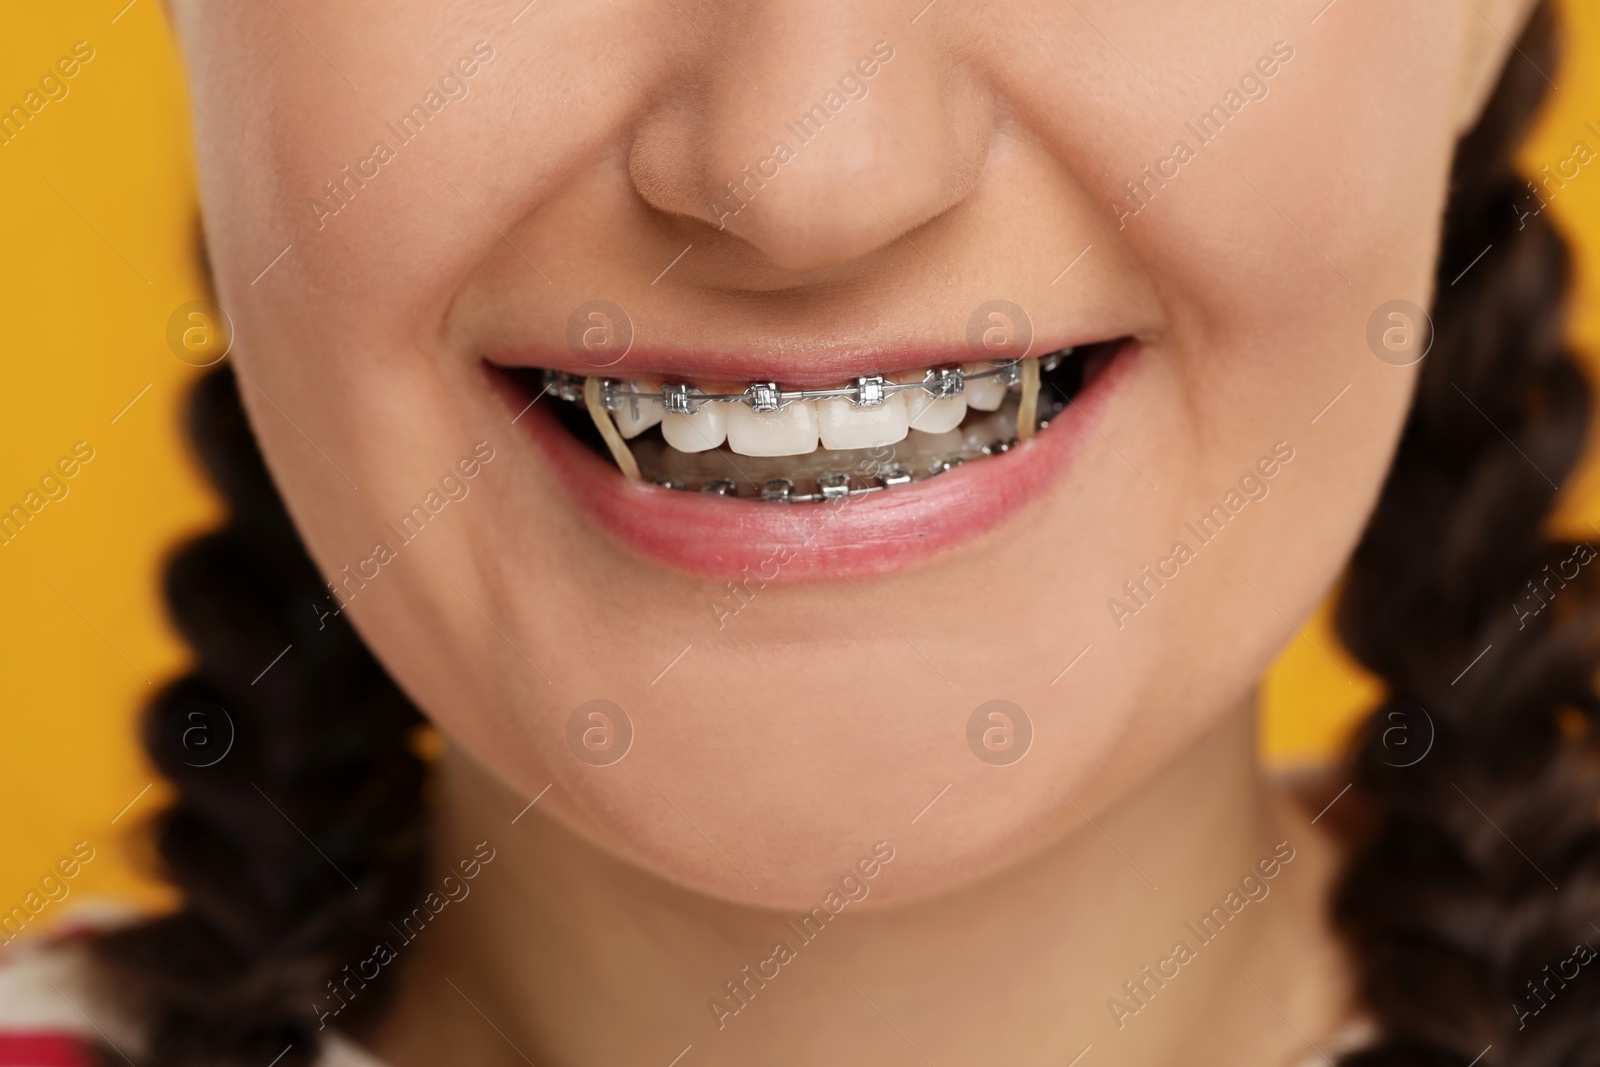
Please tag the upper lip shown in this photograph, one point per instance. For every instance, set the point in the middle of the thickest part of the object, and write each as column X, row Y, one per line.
column 813, row 370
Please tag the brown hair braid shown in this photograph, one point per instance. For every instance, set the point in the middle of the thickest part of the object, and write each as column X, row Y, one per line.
column 1452, row 902
column 321, row 746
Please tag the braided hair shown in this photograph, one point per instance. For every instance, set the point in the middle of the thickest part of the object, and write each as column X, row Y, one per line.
column 323, row 747
column 1470, row 902
column 1449, row 901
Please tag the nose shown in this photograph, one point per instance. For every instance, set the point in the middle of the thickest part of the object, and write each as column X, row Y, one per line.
column 816, row 134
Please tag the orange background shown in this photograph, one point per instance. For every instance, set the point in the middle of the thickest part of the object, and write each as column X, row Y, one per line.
column 98, row 231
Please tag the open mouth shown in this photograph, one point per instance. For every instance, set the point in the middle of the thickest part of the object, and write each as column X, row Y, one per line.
column 881, row 470
column 768, row 442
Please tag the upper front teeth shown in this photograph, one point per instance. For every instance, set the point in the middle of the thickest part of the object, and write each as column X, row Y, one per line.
column 787, row 431
column 848, row 425
column 767, row 420
column 935, row 415
column 701, row 431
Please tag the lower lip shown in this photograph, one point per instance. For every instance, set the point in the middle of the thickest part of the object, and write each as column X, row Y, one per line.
column 716, row 537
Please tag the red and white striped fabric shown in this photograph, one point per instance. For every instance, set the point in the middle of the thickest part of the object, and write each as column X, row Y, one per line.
column 46, row 1003
column 53, row 1013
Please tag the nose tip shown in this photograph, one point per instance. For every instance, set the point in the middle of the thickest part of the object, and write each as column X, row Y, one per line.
column 829, row 159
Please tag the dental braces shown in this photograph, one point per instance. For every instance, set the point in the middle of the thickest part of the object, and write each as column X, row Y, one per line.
column 603, row 396
column 836, row 486
column 865, row 392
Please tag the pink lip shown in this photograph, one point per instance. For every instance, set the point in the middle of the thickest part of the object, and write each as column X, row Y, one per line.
column 716, row 537
column 819, row 370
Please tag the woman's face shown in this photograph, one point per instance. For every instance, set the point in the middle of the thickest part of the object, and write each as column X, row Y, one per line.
column 1214, row 203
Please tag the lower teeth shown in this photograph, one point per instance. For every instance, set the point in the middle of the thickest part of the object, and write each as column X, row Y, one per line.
column 833, row 474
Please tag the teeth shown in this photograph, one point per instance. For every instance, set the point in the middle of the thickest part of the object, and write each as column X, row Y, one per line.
column 637, row 415
column 789, row 431
column 811, row 445
column 953, row 409
column 844, row 425
column 706, row 429
column 935, row 416
column 984, row 394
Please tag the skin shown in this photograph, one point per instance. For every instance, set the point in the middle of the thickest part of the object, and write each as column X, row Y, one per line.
column 987, row 155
